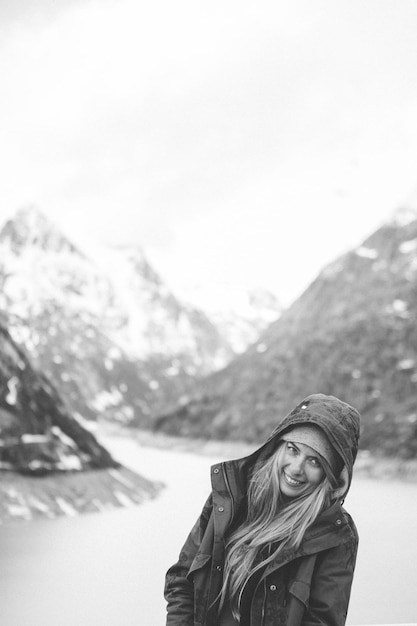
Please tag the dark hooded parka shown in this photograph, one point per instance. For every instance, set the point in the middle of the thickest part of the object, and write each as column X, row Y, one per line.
column 302, row 587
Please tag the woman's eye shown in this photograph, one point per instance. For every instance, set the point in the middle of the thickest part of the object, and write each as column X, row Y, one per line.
column 315, row 462
column 291, row 448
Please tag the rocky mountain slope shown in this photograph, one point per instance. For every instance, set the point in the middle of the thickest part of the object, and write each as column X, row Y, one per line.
column 352, row 333
column 37, row 434
column 50, row 464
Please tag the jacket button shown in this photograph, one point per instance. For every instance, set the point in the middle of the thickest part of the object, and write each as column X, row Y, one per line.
column 221, row 509
column 338, row 522
column 219, row 568
column 216, row 470
column 273, row 587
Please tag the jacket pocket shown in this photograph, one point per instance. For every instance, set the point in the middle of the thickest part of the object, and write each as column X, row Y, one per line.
column 199, row 561
column 301, row 591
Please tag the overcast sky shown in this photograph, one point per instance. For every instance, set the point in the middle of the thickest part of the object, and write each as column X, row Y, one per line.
column 249, row 142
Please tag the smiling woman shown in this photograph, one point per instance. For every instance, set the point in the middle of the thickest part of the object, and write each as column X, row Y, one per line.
column 273, row 543
column 307, row 457
column 300, row 470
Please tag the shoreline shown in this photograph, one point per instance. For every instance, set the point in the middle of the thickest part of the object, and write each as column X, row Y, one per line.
column 26, row 498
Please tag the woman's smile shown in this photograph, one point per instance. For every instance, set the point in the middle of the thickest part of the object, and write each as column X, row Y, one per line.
column 292, row 481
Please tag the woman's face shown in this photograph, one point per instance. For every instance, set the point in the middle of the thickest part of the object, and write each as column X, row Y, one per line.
column 300, row 469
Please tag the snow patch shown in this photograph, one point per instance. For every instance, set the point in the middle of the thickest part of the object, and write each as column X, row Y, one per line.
column 114, row 353
column 33, row 438
column 399, row 308
column 19, row 510
column 408, row 246
column 379, row 266
column 87, row 424
column 70, row 463
column 333, row 268
column 367, row 253
column 125, row 414
column 122, row 479
column 40, row 506
column 404, row 216
column 106, row 399
column 406, row 364
column 173, row 369
column 123, row 499
column 63, row 437
column 12, row 385
column 66, row 507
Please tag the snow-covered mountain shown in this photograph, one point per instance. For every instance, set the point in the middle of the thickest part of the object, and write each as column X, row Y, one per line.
column 247, row 315
column 155, row 322
column 107, row 330
column 59, row 308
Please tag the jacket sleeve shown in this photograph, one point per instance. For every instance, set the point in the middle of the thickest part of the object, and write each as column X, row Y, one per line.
column 179, row 592
column 331, row 585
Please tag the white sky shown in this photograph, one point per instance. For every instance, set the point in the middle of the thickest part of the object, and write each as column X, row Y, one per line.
column 239, row 141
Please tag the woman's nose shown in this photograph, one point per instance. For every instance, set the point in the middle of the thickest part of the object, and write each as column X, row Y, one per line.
column 297, row 466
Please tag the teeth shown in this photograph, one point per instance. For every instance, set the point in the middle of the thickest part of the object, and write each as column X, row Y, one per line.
column 292, row 481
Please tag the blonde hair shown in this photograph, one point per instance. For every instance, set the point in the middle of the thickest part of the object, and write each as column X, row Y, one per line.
column 269, row 521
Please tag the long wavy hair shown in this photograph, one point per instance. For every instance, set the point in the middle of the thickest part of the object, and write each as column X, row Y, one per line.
column 272, row 524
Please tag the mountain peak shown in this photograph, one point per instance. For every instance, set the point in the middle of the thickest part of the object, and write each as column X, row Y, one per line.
column 125, row 261
column 31, row 227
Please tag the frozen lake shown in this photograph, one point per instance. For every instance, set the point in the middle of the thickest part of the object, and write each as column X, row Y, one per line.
column 108, row 569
